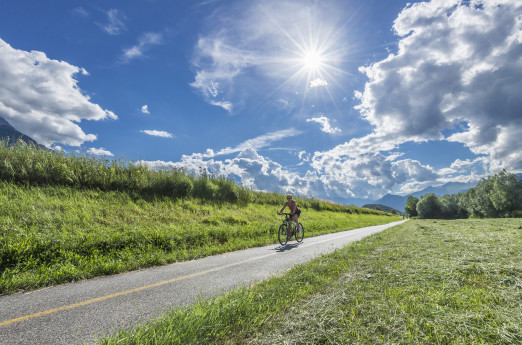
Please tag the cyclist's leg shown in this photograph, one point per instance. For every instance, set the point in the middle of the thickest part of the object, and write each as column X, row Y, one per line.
column 289, row 233
column 295, row 219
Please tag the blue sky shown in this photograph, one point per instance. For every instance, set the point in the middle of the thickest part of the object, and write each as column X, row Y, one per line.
column 328, row 99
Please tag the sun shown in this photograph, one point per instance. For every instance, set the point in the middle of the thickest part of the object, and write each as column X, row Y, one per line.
column 312, row 61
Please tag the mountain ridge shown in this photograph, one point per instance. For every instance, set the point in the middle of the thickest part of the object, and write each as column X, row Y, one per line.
column 13, row 135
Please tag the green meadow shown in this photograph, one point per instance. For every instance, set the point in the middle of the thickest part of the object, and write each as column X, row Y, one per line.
column 422, row 282
column 65, row 218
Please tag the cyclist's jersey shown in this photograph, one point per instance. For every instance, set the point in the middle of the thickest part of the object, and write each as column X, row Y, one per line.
column 294, row 209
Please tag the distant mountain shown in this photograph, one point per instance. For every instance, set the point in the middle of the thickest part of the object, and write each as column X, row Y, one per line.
column 381, row 208
column 8, row 131
column 398, row 202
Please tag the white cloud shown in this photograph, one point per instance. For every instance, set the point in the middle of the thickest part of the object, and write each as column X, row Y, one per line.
column 99, row 152
column 256, row 143
column 40, row 97
column 458, row 68
column 355, row 178
column 145, row 109
column 254, row 46
column 457, row 62
column 80, row 11
column 249, row 168
column 228, row 106
column 318, row 82
column 115, row 22
column 145, row 42
column 325, row 124
column 156, row 133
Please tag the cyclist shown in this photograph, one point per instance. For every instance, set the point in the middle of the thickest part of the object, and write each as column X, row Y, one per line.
column 294, row 210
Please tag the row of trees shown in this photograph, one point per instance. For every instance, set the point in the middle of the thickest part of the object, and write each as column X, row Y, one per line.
column 497, row 196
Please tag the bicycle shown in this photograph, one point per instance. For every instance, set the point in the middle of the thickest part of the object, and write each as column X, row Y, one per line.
column 288, row 229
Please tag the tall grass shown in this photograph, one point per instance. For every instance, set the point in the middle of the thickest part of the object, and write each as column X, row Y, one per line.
column 65, row 217
column 29, row 164
column 56, row 234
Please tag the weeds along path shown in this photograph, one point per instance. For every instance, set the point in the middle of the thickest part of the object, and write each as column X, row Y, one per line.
column 54, row 234
column 79, row 312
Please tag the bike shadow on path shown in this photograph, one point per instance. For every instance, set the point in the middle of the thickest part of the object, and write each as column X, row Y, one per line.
column 286, row 247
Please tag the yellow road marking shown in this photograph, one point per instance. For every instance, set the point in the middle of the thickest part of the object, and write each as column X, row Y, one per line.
column 122, row 293
column 141, row 288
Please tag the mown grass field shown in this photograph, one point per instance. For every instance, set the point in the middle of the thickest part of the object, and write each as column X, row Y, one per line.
column 56, row 234
column 423, row 282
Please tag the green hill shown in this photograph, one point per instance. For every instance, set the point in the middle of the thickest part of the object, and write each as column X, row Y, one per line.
column 383, row 208
column 66, row 217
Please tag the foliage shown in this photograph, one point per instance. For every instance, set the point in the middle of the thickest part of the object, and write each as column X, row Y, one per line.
column 411, row 206
column 429, row 206
column 497, row 196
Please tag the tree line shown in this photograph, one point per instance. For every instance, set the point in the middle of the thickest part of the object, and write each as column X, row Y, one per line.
column 498, row 196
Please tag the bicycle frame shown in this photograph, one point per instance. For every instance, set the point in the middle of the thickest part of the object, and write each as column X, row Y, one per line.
column 288, row 229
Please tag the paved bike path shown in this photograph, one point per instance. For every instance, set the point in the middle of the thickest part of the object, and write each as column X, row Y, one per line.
column 80, row 312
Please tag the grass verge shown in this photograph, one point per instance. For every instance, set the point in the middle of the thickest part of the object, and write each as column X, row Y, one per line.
column 56, row 234
column 424, row 282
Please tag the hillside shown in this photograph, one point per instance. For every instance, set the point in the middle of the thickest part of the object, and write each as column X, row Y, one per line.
column 64, row 218
column 380, row 207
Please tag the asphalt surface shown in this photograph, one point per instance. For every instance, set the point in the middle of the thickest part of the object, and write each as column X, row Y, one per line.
column 78, row 313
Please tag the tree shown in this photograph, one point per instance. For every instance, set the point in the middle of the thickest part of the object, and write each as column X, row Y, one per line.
column 451, row 206
column 429, row 207
column 504, row 193
column 411, row 206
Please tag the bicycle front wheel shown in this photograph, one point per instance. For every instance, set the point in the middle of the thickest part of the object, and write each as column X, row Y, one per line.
column 282, row 234
column 299, row 233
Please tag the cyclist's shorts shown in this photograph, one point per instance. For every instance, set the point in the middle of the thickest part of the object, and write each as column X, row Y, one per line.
column 298, row 212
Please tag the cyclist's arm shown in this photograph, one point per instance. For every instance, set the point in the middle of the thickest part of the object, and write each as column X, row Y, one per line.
column 286, row 203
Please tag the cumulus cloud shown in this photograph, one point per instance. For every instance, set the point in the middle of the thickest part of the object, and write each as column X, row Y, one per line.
column 156, row 133
column 457, row 63
column 40, row 97
column 145, row 109
column 115, row 22
column 318, row 82
column 248, row 168
column 325, row 124
column 361, row 176
column 456, row 76
column 259, row 47
column 99, row 152
column 145, row 42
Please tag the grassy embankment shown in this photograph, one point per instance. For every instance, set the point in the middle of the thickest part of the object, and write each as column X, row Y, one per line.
column 65, row 218
column 423, row 282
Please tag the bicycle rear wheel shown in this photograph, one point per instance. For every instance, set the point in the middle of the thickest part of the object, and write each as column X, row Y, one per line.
column 299, row 233
column 282, row 234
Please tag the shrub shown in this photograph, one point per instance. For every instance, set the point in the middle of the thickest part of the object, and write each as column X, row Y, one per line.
column 204, row 189
column 227, row 190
